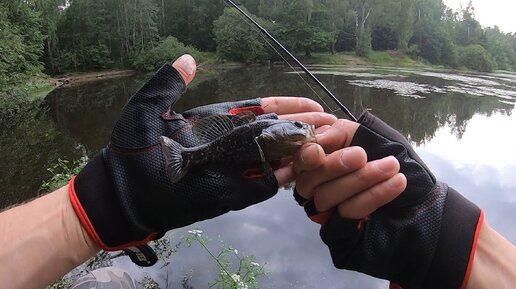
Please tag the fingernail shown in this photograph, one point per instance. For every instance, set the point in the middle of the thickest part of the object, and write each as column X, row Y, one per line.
column 394, row 182
column 385, row 165
column 344, row 155
column 310, row 154
column 188, row 64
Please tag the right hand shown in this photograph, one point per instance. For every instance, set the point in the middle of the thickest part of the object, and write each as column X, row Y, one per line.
column 401, row 226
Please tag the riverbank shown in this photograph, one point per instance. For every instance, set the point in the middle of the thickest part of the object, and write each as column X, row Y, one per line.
column 392, row 58
column 82, row 77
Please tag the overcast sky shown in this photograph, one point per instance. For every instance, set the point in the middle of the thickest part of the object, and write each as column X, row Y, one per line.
column 491, row 12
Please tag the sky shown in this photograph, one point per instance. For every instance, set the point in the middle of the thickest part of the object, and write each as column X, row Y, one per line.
column 491, row 12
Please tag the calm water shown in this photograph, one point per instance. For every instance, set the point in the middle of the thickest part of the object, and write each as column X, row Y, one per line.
column 462, row 125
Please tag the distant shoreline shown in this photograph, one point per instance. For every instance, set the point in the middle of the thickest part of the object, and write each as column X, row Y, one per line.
column 81, row 77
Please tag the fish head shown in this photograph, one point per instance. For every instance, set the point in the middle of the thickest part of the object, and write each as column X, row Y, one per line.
column 285, row 137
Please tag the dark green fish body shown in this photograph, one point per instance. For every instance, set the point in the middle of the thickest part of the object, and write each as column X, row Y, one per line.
column 260, row 141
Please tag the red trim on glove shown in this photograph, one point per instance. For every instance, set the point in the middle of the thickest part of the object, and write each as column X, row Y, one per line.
column 257, row 110
column 360, row 224
column 321, row 218
column 83, row 217
column 473, row 250
column 86, row 223
column 394, row 286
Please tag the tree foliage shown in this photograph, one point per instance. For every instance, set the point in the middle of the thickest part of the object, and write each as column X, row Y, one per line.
column 169, row 49
column 477, row 58
column 21, row 44
column 58, row 36
column 239, row 42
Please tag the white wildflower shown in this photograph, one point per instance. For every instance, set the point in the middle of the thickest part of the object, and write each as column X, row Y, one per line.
column 236, row 278
column 254, row 264
column 236, row 251
column 195, row 232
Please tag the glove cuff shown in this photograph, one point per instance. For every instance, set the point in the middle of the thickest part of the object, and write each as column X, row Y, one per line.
column 461, row 224
column 94, row 200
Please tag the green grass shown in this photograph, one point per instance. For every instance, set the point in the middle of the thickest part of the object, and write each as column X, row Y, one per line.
column 341, row 58
column 380, row 58
column 392, row 59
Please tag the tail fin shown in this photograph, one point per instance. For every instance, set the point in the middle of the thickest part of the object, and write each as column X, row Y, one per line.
column 173, row 159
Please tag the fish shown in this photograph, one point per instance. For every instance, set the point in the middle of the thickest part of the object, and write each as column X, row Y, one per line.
column 240, row 140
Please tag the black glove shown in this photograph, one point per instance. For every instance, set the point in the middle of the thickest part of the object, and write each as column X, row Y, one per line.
column 425, row 238
column 124, row 198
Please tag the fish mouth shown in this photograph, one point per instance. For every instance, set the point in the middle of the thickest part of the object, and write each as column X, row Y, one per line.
column 307, row 137
column 301, row 139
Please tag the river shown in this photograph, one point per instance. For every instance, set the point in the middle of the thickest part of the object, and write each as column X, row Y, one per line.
column 462, row 125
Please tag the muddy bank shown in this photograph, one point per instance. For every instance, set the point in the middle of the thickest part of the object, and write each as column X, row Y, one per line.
column 77, row 78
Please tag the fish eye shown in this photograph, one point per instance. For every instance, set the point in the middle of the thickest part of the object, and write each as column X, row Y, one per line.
column 298, row 124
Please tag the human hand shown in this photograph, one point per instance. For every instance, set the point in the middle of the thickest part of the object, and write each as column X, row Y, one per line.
column 387, row 217
column 124, row 197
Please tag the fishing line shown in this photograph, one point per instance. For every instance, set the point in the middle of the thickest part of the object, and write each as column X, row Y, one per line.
column 286, row 61
column 310, row 74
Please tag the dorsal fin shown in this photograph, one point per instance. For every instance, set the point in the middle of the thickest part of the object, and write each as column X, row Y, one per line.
column 212, row 127
column 243, row 118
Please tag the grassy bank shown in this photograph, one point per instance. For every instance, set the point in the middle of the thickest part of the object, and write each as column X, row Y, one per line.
column 375, row 58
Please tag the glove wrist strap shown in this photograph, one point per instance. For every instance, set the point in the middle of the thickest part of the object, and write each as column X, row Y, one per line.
column 453, row 259
column 95, row 203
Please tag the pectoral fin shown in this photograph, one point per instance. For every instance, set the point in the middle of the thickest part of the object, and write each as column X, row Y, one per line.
column 172, row 151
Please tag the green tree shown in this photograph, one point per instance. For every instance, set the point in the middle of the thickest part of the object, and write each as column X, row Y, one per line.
column 468, row 29
column 98, row 34
column 434, row 43
column 477, row 58
column 340, row 15
column 239, row 41
column 191, row 22
column 304, row 26
column 363, row 10
column 405, row 23
column 21, row 46
column 170, row 48
column 500, row 46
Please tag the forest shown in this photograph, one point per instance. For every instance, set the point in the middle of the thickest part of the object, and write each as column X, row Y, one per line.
column 52, row 37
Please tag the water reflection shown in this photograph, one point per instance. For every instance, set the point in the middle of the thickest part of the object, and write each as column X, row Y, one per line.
column 466, row 139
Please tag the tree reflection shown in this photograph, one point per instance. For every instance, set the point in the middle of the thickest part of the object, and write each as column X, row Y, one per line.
column 85, row 115
column 29, row 143
column 417, row 119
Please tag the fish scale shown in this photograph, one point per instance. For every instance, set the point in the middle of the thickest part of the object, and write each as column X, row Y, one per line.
column 261, row 141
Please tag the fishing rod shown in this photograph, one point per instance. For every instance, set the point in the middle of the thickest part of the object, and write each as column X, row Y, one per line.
column 308, row 72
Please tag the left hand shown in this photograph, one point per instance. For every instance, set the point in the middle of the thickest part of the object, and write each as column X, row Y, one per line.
column 124, row 197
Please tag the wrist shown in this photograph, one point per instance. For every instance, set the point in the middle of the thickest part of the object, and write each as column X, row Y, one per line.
column 49, row 241
column 493, row 265
column 76, row 236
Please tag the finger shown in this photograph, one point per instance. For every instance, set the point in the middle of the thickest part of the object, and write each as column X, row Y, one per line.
column 314, row 118
column 335, row 165
column 338, row 136
column 368, row 201
column 330, row 194
column 187, row 67
column 285, row 175
column 308, row 158
column 312, row 156
column 322, row 129
column 290, row 105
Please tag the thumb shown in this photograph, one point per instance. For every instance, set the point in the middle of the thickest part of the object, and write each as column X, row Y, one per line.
column 139, row 124
column 187, row 67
